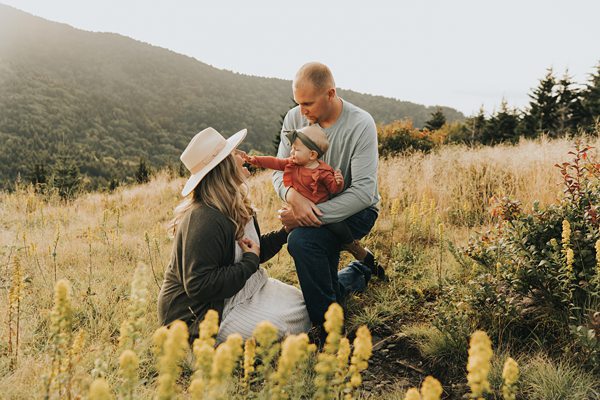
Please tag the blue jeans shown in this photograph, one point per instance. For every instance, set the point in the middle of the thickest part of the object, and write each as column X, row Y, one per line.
column 316, row 253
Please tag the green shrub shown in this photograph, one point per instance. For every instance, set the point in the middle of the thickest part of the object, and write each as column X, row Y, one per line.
column 537, row 273
column 401, row 136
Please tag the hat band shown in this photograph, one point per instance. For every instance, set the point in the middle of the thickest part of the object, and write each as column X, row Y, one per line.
column 198, row 167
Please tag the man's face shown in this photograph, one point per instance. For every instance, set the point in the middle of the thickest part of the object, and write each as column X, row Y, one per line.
column 314, row 104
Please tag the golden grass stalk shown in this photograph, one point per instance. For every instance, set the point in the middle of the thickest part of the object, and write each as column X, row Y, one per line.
column 15, row 295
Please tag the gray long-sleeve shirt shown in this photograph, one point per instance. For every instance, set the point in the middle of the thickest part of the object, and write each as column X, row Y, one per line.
column 353, row 150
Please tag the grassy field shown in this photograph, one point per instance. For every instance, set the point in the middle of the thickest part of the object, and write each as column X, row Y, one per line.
column 428, row 200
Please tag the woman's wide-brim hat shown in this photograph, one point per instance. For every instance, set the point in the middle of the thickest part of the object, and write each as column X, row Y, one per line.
column 204, row 152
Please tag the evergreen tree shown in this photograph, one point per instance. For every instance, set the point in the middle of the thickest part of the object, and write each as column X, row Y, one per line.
column 570, row 110
column 113, row 184
column 436, row 121
column 277, row 139
column 182, row 171
column 476, row 125
column 66, row 177
column 142, row 175
column 591, row 100
column 38, row 175
column 543, row 108
column 502, row 126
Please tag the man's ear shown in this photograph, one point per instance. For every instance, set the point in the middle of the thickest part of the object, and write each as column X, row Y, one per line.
column 331, row 94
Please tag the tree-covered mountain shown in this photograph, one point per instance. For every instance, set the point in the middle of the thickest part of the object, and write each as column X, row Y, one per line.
column 106, row 101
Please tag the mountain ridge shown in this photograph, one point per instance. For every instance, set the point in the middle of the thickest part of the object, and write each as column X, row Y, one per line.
column 107, row 100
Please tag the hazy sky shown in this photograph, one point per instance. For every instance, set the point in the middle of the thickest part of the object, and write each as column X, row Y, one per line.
column 459, row 53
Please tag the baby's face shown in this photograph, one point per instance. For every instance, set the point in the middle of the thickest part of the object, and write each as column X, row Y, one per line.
column 301, row 154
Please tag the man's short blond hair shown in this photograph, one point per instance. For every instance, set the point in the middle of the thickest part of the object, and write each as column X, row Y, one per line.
column 316, row 73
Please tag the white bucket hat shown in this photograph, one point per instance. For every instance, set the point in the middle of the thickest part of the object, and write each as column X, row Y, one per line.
column 204, row 152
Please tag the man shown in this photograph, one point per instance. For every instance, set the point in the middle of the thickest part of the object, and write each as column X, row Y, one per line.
column 353, row 149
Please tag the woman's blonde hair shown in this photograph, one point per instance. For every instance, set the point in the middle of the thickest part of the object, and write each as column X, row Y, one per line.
column 224, row 189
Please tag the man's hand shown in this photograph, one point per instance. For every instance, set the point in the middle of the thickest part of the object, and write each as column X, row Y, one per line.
column 337, row 175
column 304, row 211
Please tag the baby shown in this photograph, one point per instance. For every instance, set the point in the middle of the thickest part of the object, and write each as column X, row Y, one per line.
column 316, row 181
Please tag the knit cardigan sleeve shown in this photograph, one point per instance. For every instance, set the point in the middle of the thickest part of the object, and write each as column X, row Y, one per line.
column 206, row 268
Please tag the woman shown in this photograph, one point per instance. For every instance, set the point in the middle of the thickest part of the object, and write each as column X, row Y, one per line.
column 218, row 248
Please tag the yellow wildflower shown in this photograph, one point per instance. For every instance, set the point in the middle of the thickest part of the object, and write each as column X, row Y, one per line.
column 226, row 357
column 363, row 348
column 173, row 351
column 510, row 375
column 327, row 362
column 566, row 234
column 570, row 259
column 478, row 366
column 99, row 390
column 158, row 338
column 265, row 333
column 597, row 277
column 412, row 394
column 343, row 355
column 294, row 350
column 204, row 347
column 209, row 326
column 128, row 367
column 249, row 355
column 431, row 389
column 61, row 322
column 131, row 328
column 334, row 323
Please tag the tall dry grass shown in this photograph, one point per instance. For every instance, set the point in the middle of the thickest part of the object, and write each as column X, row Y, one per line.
column 96, row 241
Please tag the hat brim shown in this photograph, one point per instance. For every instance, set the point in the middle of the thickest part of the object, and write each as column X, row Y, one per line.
column 232, row 142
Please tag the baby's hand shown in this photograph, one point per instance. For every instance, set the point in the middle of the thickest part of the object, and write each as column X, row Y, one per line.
column 337, row 175
column 249, row 159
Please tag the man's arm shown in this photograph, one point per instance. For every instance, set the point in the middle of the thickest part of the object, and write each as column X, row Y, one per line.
column 361, row 192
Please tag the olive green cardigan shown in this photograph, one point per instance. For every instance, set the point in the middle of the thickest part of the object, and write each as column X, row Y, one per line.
column 202, row 272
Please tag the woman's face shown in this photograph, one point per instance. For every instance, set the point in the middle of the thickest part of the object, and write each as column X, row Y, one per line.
column 239, row 160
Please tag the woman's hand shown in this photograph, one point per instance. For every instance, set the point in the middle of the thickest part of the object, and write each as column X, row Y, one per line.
column 249, row 246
